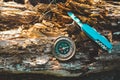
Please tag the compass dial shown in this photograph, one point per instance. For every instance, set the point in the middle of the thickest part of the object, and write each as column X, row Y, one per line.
column 64, row 48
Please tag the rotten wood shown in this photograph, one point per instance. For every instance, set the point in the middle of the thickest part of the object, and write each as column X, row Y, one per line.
column 29, row 50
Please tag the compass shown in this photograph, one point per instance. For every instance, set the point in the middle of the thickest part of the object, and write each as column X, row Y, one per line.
column 64, row 48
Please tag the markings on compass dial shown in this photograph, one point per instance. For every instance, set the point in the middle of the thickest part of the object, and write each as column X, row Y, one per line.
column 62, row 47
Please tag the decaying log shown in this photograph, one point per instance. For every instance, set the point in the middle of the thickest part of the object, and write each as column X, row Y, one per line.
column 23, row 55
column 17, row 16
column 20, row 54
column 29, row 50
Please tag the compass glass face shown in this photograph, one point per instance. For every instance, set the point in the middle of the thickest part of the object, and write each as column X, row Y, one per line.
column 63, row 47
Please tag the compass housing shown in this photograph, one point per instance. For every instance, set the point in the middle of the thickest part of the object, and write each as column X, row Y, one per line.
column 64, row 48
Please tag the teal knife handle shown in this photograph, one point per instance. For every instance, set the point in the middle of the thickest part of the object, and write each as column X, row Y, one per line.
column 75, row 19
column 92, row 33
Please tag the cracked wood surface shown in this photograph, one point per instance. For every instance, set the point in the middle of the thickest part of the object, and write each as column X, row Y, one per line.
column 26, row 38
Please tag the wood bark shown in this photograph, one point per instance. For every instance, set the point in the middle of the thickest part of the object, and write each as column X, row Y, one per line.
column 28, row 34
